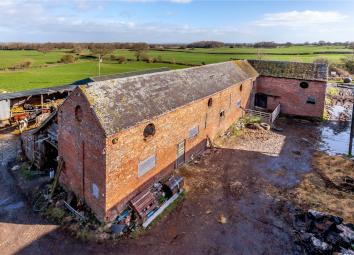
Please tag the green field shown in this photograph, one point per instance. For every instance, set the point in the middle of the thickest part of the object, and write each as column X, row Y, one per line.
column 45, row 70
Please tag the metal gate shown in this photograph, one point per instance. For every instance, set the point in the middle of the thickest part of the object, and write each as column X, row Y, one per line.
column 180, row 153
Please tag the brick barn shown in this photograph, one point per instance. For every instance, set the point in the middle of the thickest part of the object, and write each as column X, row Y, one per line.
column 118, row 137
column 300, row 88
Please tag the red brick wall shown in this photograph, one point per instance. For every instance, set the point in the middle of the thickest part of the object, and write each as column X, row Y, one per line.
column 82, row 146
column 292, row 97
column 123, row 157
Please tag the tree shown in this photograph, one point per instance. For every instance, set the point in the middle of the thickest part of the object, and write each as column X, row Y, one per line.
column 140, row 50
column 68, row 58
column 122, row 59
column 321, row 61
column 348, row 64
column 101, row 49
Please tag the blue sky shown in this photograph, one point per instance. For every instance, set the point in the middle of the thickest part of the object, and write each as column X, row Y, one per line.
column 176, row 21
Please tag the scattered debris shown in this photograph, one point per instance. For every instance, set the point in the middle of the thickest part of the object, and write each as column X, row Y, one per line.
column 222, row 219
column 320, row 233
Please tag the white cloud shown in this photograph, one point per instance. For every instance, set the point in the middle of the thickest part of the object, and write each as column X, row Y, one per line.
column 301, row 18
column 50, row 20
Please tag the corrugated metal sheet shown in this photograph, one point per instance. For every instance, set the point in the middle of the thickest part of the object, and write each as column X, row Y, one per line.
column 5, row 109
column 32, row 92
column 122, row 103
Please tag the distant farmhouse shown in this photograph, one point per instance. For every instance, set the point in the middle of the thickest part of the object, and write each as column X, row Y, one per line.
column 119, row 136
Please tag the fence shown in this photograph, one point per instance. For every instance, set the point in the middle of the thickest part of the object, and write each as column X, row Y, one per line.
column 265, row 116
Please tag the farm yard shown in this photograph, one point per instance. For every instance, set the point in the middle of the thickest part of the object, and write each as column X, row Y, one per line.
column 45, row 69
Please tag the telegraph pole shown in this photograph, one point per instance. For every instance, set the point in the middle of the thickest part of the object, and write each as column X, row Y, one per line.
column 351, row 133
column 99, row 64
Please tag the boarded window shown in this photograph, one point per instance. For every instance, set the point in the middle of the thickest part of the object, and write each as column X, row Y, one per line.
column 238, row 103
column 95, row 191
column 193, row 132
column 146, row 165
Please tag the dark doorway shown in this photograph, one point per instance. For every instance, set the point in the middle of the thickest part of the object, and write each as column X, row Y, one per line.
column 260, row 100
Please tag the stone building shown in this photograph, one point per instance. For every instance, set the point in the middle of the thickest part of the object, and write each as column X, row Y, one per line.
column 118, row 137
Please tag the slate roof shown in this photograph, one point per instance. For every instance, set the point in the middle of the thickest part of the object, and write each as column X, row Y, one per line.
column 292, row 70
column 125, row 102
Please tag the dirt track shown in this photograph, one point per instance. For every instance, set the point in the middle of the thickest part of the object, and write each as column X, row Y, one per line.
column 233, row 204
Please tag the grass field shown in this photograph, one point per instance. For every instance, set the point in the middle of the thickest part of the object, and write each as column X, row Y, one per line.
column 45, row 70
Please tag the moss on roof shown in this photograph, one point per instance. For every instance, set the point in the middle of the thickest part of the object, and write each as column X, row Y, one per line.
column 292, row 70
column 125, row 102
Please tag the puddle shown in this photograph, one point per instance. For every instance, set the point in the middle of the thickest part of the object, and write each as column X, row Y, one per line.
column 334, row 137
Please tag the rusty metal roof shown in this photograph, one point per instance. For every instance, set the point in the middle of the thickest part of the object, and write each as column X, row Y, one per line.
column 125, row 102
column 292, row 70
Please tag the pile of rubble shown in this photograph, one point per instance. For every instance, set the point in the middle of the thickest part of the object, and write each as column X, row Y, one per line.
column 320, row 233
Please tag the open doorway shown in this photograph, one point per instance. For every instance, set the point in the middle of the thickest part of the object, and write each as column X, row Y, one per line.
column 260, row 100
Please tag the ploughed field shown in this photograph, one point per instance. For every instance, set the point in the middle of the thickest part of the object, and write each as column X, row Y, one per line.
column 45, row 69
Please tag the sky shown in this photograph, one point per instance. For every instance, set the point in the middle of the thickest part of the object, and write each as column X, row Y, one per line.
column 176, row 21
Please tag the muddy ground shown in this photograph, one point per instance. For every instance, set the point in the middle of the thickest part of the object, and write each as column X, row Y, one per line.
column 234, row 203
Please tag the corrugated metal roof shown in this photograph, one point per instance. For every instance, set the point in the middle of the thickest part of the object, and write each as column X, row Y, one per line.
column 292, row 70
column 32, row 92
column 122, row 103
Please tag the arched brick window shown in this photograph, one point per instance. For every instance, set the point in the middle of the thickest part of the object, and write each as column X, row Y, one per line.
column 78, row 113
column 210, row 102
column 149, row 130
column 304, row 84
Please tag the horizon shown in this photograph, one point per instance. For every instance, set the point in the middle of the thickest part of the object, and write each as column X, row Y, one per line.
column 176, row 21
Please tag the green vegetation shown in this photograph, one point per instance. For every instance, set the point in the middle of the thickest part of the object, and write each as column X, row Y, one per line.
column 28, row 69
column 55, row 213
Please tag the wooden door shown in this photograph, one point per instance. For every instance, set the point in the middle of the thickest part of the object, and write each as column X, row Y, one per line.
column 180, row 153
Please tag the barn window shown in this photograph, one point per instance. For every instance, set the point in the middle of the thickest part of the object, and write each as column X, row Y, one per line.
column 210, row 102
column 146, row 165
column 95, row 191
column 304, row 85
column 149, row 130
column 238, row 103
column 78, row 113
column 193, row 132
column 222, row 114
column 311, row 100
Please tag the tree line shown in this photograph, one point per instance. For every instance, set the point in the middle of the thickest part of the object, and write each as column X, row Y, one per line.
column 76, row 47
